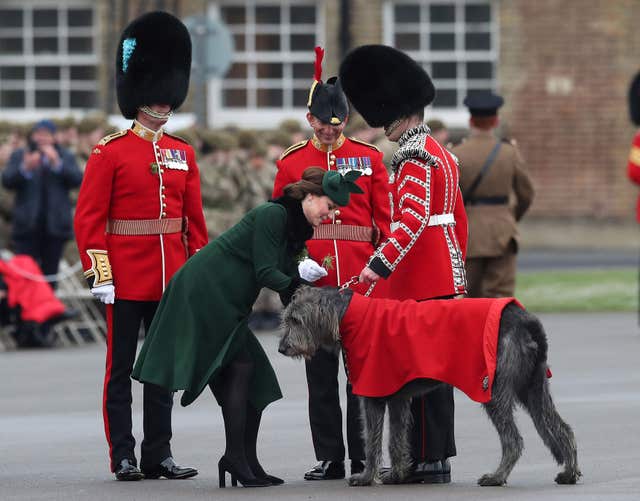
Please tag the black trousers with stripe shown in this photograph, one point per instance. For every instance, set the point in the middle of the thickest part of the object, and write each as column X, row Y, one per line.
column 432, row 435
column 123, row 325
column 325, row 414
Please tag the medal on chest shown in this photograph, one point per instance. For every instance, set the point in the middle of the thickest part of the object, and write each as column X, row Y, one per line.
column 361, row 164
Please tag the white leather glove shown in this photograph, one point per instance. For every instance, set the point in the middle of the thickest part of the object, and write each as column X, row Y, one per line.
column 105, row 293
column 311, row 271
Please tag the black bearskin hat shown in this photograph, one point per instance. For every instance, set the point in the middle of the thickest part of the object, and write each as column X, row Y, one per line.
column 385, row 84
column 634, row 99
column 153, row 63
column 327, row 100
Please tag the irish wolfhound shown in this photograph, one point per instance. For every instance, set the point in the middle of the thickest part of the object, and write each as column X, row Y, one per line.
column 316, row 317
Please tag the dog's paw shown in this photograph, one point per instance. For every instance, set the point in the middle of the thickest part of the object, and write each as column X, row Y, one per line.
column 389, row 477
column 360, row 479
column 491, row 480
column 568, row 477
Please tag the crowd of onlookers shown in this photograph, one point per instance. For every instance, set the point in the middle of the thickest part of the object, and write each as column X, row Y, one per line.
column 237, row 170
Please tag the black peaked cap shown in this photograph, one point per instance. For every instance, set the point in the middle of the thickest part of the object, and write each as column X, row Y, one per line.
column 483, row 104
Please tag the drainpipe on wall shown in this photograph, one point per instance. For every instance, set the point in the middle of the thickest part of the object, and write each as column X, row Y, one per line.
column 345, row 27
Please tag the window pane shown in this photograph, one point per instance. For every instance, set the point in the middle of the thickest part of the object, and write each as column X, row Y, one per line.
column 234, row 98
column 442, row 41
column 10, row 45
column 80, row 17
column 47, row 99
column 238, row 70
column 444, row 70
column 80, row 45
column 47, row 73
column 301, row 15
column 407, row 13
column 446, row 98
column 267, row 15
column 45, row 18
column 442, row 13
column 12, row 99
column 45, row 45
column 477, row 41
column 303, row 70
column 267, row 42
column 10, row 18
column 269, row 70
column 477, row 13
column 269, row 98
column 478, row 91
column 407, row 41
column 300, row 97
column 82, row 99
column 12, row 73
column 303, row 42
column 233, row 15
column 82, row 72
column 480, row 70
column 238, row 41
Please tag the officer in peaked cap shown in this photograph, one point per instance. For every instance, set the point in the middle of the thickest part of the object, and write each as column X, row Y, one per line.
column 497, row 191
column 483, row 104
column 340, row 246
column 143, row 185
column 424, row 255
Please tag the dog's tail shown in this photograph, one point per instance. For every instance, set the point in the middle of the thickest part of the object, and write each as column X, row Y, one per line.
column 535, row 329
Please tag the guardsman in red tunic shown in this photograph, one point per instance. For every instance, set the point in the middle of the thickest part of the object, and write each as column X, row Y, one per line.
column 342, row 246
column 633, row 167
column 423, row 258
column 138, row 218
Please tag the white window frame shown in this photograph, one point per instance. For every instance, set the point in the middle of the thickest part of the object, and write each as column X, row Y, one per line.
column 252, row 116
column 62, row 58
column 458, row 116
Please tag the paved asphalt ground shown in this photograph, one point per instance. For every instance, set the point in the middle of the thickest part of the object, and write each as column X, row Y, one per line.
column 52, row 445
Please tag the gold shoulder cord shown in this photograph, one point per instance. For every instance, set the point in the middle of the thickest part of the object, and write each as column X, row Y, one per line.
column 100, row 268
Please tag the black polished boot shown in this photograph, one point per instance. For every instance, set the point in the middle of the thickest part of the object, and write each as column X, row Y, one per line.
column 127, row 471
column 169, row 469
column 225, row 466
column 326, row 470
column 250, row 445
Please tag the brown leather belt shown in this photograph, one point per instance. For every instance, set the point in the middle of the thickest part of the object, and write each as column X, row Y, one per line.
column 144, row 226
column 343, row 232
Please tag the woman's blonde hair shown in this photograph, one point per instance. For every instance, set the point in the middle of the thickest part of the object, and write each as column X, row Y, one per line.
column 311, row 182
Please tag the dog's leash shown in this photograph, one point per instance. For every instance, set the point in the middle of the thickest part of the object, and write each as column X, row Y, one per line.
column 354, row 281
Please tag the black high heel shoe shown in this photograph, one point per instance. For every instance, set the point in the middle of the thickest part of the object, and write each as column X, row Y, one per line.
column 224, row 466
column 273, row 480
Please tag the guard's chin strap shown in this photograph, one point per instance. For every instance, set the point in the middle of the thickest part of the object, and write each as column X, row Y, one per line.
column 156, row 114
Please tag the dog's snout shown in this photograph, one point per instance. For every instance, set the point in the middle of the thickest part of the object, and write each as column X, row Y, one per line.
column 282, row 347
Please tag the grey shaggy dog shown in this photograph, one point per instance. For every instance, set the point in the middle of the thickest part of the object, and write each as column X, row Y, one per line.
column 311, row 322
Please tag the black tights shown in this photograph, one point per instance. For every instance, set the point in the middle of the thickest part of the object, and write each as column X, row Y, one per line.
column 241, row 418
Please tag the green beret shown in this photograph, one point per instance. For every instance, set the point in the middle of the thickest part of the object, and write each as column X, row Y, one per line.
column 338, row 187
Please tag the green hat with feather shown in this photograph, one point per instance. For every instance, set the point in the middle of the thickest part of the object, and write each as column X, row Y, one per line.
column 339, row 187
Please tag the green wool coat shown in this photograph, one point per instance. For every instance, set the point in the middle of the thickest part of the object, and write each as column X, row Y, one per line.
column 201, row 322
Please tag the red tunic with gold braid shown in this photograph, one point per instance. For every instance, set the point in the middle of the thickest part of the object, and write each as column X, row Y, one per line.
column 427, row 246
column 344, row 243
column 139, row 213
column 633, row 168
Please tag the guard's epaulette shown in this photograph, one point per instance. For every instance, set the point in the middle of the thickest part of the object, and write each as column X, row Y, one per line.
column 176, row 137
column 365, row 143
column 294, row 147
column 111, row 137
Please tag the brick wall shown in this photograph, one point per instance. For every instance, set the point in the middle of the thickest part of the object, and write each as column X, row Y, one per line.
column 564, row 70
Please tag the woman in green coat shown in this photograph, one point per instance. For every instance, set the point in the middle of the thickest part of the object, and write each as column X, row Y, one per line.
column 199, row 335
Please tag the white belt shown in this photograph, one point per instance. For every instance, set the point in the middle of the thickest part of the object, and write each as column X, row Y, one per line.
column 434, row 220
column 441, row 219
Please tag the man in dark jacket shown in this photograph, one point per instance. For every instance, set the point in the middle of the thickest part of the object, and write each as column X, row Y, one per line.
column 41, row 176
